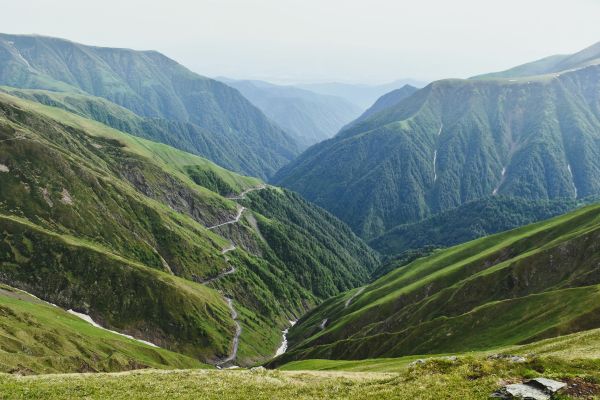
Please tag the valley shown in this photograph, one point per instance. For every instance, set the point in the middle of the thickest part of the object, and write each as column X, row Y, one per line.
column 186, row 252
column 168, row 235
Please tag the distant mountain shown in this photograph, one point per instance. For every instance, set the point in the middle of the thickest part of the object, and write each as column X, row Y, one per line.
column 552, row 64
column 457, row 141
column 213, row 119
column 309, row 117
column 532, row 283
column 387, row 100
column 361, row 95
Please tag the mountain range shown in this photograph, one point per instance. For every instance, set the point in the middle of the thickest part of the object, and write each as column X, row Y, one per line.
column 176, row 106
column 307, row 116
column 361, row 95
column 446, row 241
column 551, row 65
column 458, row 141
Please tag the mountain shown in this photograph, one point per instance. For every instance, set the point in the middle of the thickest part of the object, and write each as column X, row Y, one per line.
column 536, row 282
column 208, row 117
column 456, row 141
column 470, row 221
column 553, row 64
column 361, row 95
column 388, row 100
column 160, row 244
column 308, row 117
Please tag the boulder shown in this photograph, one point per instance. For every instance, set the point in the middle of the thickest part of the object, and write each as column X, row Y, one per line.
column 534, row 389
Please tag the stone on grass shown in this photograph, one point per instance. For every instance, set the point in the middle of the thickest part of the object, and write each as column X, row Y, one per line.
column 534, row 389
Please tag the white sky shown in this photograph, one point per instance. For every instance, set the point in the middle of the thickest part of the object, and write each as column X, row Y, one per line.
column 370, row 41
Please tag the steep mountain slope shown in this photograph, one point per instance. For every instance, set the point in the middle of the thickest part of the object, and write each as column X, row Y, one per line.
column 215, row 117
column 471, row 221
column 362, row 95
column 309, row 117
column 387, row 100
column 38, row 337
column 177, row 134
column 536, row 282
column 456, row 141
column 153, row 242
column 552, row 64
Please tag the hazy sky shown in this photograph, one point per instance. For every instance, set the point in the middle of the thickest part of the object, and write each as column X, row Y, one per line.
column 321, row 40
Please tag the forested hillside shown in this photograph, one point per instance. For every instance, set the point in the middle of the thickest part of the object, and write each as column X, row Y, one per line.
column 457, row 141
column 470, row 221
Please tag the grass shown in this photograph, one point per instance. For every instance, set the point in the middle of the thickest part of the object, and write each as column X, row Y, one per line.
column 36, row 337
column 526, row 284
column 466, row 379
column 471, row 376
column 170, row 159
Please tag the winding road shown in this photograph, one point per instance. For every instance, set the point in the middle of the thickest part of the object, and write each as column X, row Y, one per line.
column 234, row 314
column 236, row 337
column 233, row 221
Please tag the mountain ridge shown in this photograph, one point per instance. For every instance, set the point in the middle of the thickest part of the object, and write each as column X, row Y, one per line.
column 552, row 64
column 151, row 85
column 456, row 141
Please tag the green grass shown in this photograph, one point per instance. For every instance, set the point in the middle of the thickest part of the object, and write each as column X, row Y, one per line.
column 470, row 376
column 576, row 346
column 36, row 337
column 170, row 159
column 465, row 379
column 519, row 286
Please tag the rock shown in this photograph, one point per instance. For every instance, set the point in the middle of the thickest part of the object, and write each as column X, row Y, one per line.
column 508, row 357
column 4, row 168
column 46, row 196
column 549, row 384
column 534, row 389
column 66, row 197
column 523, row 391
column 417, row 362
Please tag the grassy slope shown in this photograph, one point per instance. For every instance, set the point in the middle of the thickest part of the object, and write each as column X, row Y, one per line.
column 169, row 158
column 36, row 337
column 149, row 204
column 575, row 346
column 467, row 378
column 519, row 286
column 471, row 376
column 146, row 303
